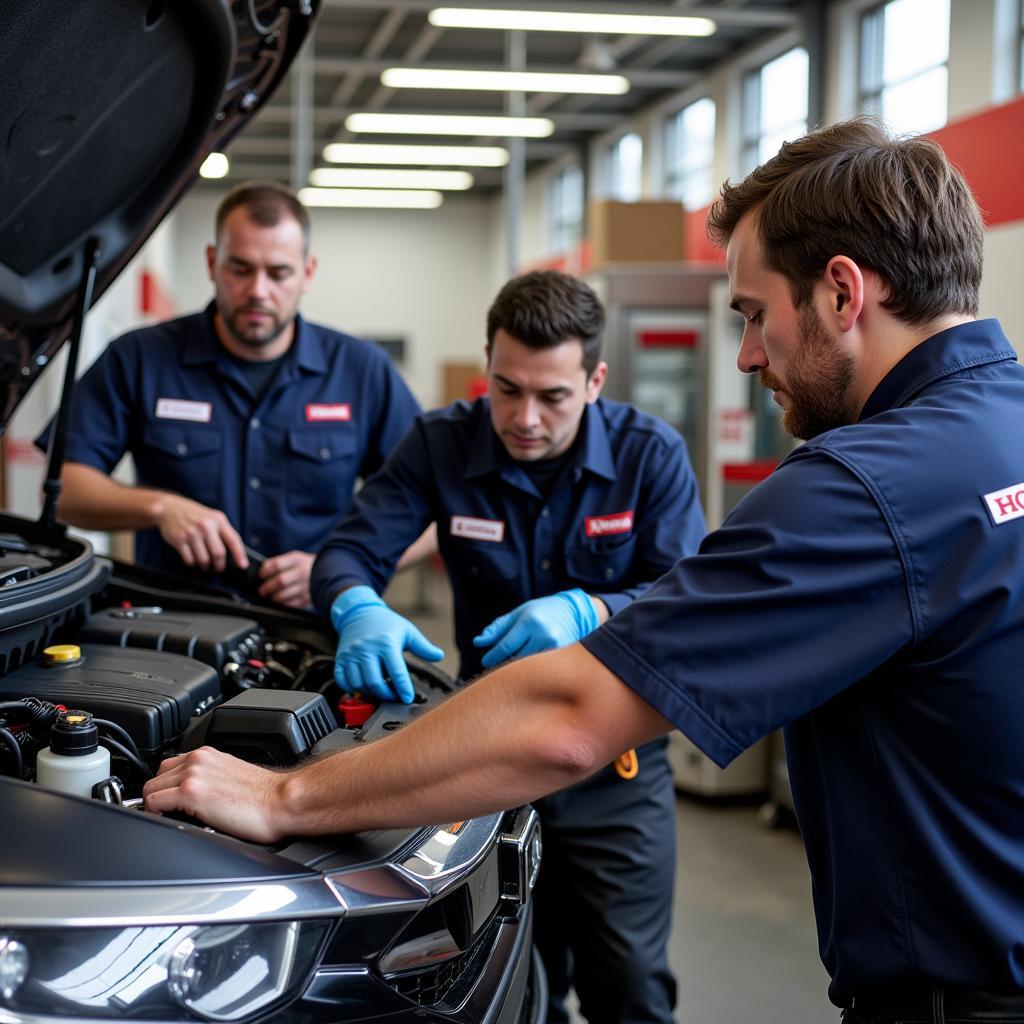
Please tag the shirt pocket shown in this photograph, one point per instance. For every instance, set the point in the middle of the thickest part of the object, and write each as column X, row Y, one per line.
column 488, row 580
column 603, row 561
column 184, row 459
column 322, row 467
column 479, row 561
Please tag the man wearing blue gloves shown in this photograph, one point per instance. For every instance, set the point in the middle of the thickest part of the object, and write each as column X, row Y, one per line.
column 555, row 509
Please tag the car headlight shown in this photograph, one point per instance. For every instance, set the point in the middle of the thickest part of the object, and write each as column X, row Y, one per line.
column 168, row 972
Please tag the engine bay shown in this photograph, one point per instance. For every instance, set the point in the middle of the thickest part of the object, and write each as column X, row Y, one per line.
column 128, row 666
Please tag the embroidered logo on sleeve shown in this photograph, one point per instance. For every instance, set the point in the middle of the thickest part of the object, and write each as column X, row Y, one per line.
column 601, row 526
column 1006, row 504
column 339, row 411
column 183, row 409
column 478, row 529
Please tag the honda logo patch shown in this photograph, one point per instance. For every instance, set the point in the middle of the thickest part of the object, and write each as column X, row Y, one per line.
column 602, row 526
column 478, row 529
column 339, row 411
column 1006, row 504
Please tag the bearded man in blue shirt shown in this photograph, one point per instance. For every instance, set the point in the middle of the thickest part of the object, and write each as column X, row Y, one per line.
column 247, row 424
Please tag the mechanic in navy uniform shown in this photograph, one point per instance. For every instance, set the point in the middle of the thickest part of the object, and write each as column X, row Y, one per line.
column 247, row 424
column 555, row 508
column 869, row 596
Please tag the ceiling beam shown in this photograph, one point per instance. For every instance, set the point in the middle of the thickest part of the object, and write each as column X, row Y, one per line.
column 277, row 113
column 749, row 17
column 378, row 43
column 267, row 147
column 640, row 77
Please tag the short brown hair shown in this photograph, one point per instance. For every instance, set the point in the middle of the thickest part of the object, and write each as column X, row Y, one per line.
column 267, row 203
column 894, row 205
column 543, row 308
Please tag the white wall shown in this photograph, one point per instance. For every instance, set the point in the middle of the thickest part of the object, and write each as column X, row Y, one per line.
column 1000, row 283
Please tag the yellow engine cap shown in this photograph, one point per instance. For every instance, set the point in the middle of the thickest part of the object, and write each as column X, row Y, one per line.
column 62, row 653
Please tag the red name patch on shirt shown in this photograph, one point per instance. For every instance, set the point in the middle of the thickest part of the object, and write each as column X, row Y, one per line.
column 319, row 413
column 601, row 526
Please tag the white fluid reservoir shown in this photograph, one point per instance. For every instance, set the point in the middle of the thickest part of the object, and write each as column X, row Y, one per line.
column 74, row 761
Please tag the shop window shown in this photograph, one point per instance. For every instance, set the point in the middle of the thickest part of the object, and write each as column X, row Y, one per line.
column 690, row 154
column 774, row 106
column 622, row 169
column 565, row 209
column 904, row 83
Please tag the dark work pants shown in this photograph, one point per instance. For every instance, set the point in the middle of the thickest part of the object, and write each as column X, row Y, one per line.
column 603, row 901
column 852, row 1017
column 991, row 1011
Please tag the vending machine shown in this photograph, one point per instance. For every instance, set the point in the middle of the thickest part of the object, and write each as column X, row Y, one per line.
column 671, row 344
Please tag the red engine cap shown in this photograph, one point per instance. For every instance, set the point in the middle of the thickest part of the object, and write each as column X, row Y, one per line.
column 354, row 710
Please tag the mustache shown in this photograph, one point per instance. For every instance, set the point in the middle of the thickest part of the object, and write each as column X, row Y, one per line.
column 769, row 380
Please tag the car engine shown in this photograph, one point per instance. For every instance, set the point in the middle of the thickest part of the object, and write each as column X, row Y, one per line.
column 137, row 666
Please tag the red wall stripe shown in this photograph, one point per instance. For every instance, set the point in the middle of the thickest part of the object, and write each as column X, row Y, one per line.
column 153, row 300
column 989, row 149
column 749, row 472
column 668, row 339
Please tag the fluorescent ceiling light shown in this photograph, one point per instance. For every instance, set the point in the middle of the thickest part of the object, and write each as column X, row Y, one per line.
column 510, row 81
column 369, row 197
column 214, row 166
column 451, row 156
column 450, row 124
column 362, row 177
column 569, row 21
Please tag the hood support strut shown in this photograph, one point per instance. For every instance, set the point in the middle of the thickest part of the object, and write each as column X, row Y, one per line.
column 58, row 439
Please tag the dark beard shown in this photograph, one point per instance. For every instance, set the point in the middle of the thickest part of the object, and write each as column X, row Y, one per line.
column 818, row 385
column 254, row 341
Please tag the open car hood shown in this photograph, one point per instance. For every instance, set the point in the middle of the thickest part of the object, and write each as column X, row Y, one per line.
column 110, row 107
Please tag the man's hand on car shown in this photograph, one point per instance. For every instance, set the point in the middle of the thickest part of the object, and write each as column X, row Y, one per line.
column 539, row 625
column 286, row 579
column 372, row 637
column 235, row 796
column 203, row 536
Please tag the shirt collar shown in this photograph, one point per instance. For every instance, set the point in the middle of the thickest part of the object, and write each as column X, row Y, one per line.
column 596, row 451
column 488, row 455
column 202, row 346
column 976, row 343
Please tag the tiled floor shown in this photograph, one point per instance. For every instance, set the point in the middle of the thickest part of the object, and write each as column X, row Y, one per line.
column 743, row 943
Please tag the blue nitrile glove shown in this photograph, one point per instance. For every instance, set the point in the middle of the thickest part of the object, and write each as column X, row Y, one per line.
column 370, row 635
column 538, row 625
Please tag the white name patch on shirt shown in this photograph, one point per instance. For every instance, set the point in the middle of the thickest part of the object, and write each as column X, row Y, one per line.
column 340, row 411
column 601, row 526
column 478, row 529
column 1006, row 504
column 183, row 409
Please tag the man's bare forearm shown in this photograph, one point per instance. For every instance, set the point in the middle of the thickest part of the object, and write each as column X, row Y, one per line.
column 527, row 729
column 93, row 501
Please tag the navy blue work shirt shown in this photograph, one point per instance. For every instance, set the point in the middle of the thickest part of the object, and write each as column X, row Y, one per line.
column 870, row 596
column 625, row 508
column 282, row 468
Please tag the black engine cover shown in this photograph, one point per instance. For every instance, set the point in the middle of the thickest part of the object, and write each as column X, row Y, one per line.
column 151, row 694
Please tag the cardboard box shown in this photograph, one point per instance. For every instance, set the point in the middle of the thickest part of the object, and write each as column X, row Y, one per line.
column 461, row 380
column 646, row 230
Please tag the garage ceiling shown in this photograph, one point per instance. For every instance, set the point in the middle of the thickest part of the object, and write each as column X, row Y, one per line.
column 355, row 40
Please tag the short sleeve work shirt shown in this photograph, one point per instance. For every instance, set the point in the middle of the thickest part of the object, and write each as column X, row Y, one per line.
column 282, row 468
column 625, row 509
column 870, row 596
